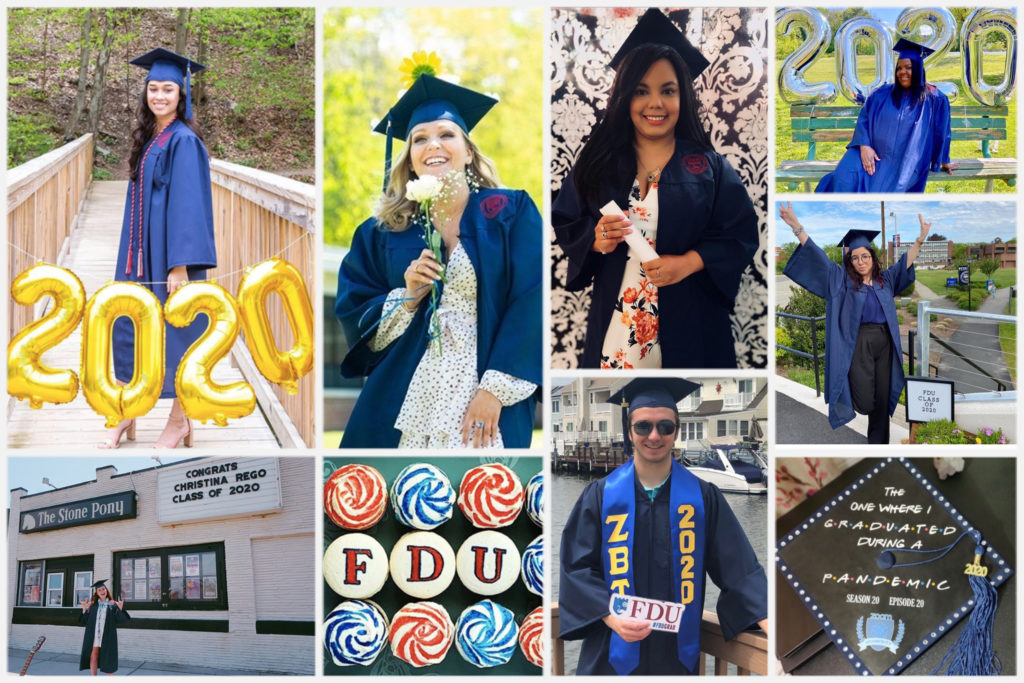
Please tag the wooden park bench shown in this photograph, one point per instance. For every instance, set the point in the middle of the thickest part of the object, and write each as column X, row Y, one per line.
column 819, row 123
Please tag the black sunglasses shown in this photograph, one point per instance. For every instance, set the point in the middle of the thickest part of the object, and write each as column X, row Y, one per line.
column 644, row 427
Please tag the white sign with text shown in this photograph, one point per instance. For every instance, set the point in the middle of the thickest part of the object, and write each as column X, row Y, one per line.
column 218, row 487
column 929, row 399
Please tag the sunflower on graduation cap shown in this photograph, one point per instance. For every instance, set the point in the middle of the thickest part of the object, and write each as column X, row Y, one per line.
column 421, row 62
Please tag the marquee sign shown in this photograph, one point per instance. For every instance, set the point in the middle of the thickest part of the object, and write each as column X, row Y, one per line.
column 217, row 488
column 88, row 511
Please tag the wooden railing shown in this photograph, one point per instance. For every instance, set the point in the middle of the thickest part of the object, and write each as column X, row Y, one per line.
column 257, row 215
column 748, row 651
column 44, row 196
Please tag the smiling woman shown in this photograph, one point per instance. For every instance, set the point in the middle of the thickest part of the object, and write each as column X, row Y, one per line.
column 651, row 155
column 439, row 296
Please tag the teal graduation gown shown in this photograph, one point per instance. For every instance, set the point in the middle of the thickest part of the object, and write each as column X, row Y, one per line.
column 177, row 230
column 702, row 205
column 501, row 232
column 911, row 139
column 583, row 595
column 812, row 269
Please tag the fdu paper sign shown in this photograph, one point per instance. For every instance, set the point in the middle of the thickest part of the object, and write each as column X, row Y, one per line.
column 664, row 616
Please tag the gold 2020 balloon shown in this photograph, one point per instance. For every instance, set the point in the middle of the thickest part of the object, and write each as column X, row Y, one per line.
column 280, row 367
column 27, row 377
column 138, row 397
column 202, row 398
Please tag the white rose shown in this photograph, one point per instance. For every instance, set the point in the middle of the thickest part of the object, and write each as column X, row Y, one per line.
column 422, row 189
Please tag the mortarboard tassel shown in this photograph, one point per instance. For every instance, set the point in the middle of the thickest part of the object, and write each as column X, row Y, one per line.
column 972, row 655
column 387, row 153
column 627, row 445
column 188, row 89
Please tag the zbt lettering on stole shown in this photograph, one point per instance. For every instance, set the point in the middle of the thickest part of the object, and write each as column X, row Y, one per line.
column 663, row 616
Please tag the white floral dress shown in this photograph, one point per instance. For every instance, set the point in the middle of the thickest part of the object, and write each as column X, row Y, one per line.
column 631, row 340
column 444, row 383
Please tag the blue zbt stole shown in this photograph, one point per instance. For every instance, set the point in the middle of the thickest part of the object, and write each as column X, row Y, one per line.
column 686, row 531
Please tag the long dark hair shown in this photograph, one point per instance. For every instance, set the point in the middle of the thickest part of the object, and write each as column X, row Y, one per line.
column 858, row 279
column 145, row 127
column 611, row 141
column 919, row 89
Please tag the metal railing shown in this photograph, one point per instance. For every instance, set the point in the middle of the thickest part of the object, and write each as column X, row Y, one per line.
column 925, row 339
column 748, row 651
column 813, row 356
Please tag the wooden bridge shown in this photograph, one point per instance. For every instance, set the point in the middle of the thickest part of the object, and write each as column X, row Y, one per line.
column 56, row 213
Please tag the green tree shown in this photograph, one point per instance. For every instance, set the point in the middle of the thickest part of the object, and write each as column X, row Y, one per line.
column 799, row 332
column 988, row 266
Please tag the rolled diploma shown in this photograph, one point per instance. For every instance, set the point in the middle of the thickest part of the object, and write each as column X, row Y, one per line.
column 635, row 240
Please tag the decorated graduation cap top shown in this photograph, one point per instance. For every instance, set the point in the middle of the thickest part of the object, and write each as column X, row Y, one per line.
column 655, row 27
column 903, row 566
column 164, row 65
column 858, row 238
column 430, row 98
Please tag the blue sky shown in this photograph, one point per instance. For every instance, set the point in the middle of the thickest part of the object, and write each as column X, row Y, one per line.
column 826, row 222
column 28, row 472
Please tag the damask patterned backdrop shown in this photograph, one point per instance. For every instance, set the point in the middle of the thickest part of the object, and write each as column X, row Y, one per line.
column 733, row 99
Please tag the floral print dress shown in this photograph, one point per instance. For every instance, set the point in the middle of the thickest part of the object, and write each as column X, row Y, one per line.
column 631, row 340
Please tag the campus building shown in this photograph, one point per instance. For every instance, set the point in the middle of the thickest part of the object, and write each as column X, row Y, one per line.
column 214, row 558
column 933, row 254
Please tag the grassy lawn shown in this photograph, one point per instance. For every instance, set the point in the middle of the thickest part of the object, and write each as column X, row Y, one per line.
column 935, row 280
column 1008, row 341
column 948, row 70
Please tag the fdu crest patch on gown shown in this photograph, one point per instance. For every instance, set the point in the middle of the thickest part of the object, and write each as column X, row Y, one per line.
column 881, row 567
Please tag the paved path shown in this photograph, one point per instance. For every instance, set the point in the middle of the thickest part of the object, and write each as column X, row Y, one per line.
column 92, row 257
column 802, row 417
column 56, row 664
column 978, row 340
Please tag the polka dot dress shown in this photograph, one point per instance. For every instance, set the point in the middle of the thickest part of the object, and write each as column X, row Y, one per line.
column 444, row 383
column 631, row 340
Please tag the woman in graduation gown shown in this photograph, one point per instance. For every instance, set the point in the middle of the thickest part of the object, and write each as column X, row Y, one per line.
column 725, row 556
column 469, row 380
column 167, row 232
column 651, row 155
column 100, row 616
column 902, row 133
column 863, row 354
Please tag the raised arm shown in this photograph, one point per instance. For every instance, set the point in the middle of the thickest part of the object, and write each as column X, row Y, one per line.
column 787, row 214
column 916, row 249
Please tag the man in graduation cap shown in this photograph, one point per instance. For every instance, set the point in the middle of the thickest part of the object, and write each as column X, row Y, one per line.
column 652, row 529
column 100, row 616
column 481, row 384
column 903, row 132
column 863, row 354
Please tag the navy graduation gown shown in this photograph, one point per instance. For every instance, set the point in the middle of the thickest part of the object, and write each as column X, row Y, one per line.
column 810, row 268
column 702, row 205
column 910, row 139
column 501, row 233
column 108, row 644
column 583, row 592
column 177, row 209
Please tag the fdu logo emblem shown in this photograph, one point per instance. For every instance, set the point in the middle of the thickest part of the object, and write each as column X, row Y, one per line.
column 620, row 604
column 879, row 632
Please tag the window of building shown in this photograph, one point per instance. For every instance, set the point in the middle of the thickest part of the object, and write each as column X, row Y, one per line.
column 722, row 428
column 54, row 589
column 43, row 583
column 568, row 427
column 602, row 426
column 556, row 428
column 83, row 587
column 746, row 386
column 556, row 405
column 189, row 577
column 692, row 430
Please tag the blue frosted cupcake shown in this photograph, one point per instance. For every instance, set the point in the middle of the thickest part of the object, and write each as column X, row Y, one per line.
column 486, row 634
column 355, row 632
column 533, row 566
column 422, row 497
column 535, row 499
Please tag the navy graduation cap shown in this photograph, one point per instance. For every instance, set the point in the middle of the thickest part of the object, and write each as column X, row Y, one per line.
column 164, row 65
column 903, row 566
column 909, row 49
column 99, row 583
column 649, row 392
column 432, row 99
column 655, row 27
column 858, row 238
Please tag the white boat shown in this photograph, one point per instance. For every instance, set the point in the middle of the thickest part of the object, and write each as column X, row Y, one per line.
column 734, row 469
